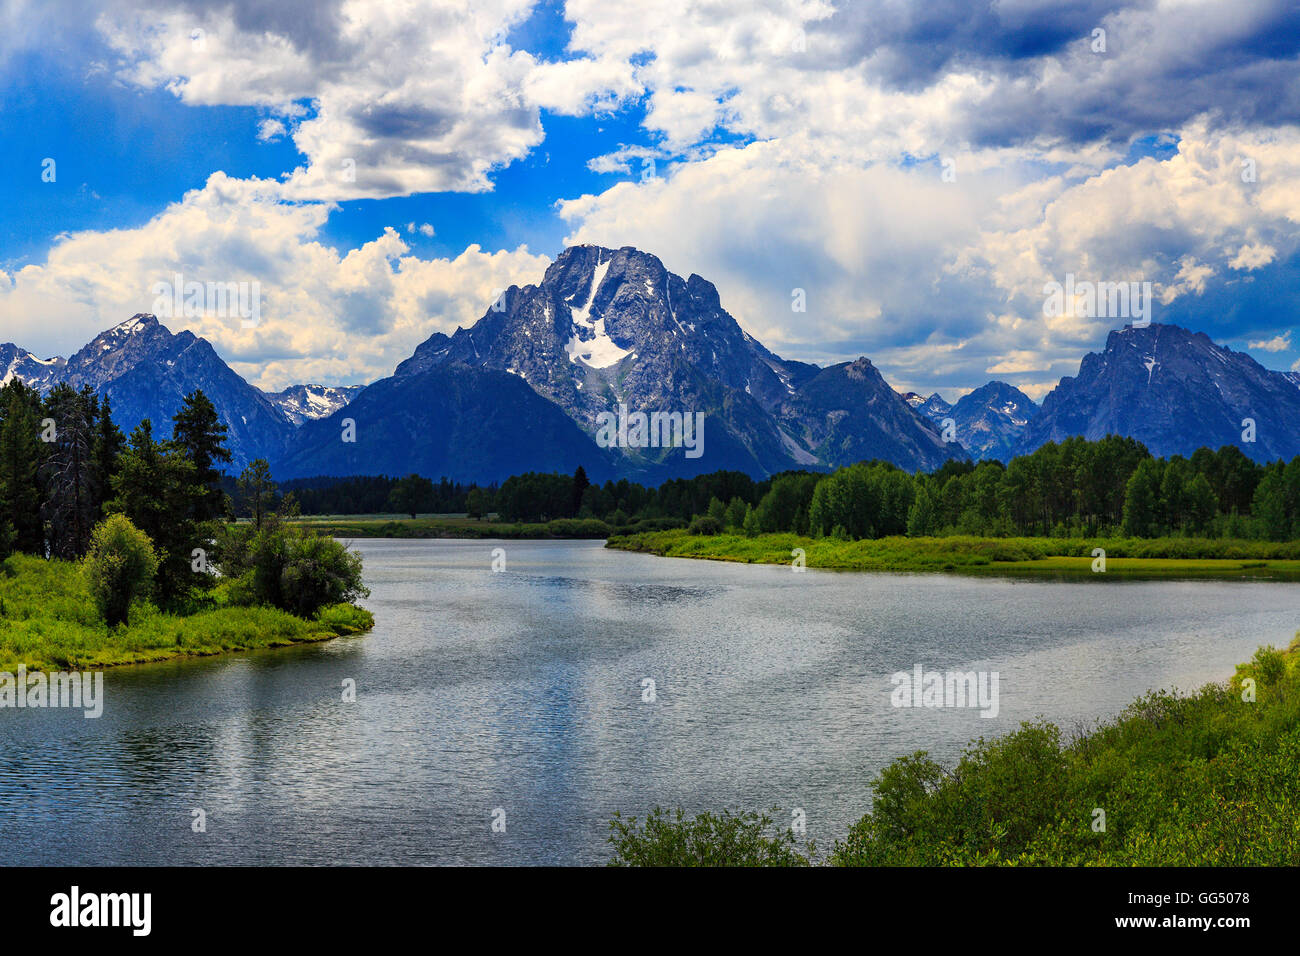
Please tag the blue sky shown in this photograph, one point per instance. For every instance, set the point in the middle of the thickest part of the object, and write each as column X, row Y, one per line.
column 794, row 146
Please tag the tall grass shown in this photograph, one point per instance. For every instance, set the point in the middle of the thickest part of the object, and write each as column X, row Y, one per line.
column 48, row 622
column 1192, row 556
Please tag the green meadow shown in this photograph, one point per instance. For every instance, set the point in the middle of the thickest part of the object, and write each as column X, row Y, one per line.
column 1068, row 557
column 48, row 621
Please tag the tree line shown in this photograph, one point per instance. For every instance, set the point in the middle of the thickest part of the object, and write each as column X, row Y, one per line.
column 1076, row 487
column 72, row 487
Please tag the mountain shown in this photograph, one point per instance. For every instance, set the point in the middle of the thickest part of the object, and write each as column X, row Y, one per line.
column 40, row 374
column 933, row 408
column 848, row 413
column 1173, row 390
column 146, row 372
column 454, row 420
column 302, row 403
column 612, row 327
column 991, row 420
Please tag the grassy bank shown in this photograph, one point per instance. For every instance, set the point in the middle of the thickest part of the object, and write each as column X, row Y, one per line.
column 1125, row 557
column 1202, row 780
column 450, row 527
column 48, row 622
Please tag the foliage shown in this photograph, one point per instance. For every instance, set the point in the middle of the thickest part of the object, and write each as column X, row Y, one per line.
column 706, row 525
column 199, row 436
column 288, row 566
column 257, row 491
column 119, row 567
column 156, row 488
column 726, row 839
column 412, row 495
column 1182, row 557
column 1206, row 779
column 51, row 623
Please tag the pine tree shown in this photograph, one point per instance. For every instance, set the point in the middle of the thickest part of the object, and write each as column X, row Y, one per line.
column 109, row 442
column 257, row 491
column 155, row 487
column 197, row 432
column 580, row 486
column 20, row 455
column 68, row 472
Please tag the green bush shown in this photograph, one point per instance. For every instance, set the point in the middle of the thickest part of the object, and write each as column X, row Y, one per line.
column 318, row 571
column 1206, row 779
column 287, row 566
column 706, row 525
column 119, row 567
column 706, row 840
column 1269, row 665
column 346, row 619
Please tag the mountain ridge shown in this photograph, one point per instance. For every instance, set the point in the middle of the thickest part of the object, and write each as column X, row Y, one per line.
column 613, row 328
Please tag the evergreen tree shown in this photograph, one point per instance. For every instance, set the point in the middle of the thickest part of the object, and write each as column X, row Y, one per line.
column 20, row 456
column 68, row 478
column 109, row 442
column 198, row 433
column 257, row 491
column 155, row 488
column 580, row 486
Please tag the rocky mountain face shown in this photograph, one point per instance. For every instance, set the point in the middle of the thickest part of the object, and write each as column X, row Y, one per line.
column 1174, row 391
column 37, row 373
column 991, row 420
column 612, row 327
column 610, row 333
column 146, row 372
column 303, row 403
column 933, row 408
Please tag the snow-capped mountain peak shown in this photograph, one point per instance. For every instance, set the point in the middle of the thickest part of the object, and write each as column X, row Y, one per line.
column 40, row 374
column 303, row 403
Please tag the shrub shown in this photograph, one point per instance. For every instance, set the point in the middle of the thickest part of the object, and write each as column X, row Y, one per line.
column 346, row 619
column 318, row 571
column 706, row 840
column 705, row 524
column 119, row 567
column 1269, row 665
column 289, row 567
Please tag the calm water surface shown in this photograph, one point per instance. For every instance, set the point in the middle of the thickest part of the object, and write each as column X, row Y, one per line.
column 523, row 691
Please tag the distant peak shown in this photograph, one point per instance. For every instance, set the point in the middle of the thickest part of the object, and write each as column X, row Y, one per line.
column 137, row 323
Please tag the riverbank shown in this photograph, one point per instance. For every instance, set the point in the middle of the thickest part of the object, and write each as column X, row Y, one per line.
column 49, row 622
column 1206, row 779
column 448, row 527
column 1135, row 558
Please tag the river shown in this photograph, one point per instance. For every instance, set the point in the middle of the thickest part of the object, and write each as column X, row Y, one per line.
column 522, row 697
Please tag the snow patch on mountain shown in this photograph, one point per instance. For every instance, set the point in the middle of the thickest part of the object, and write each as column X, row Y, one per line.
column 304, row 403
column 590, row 344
